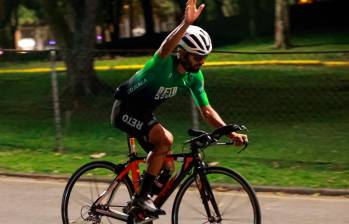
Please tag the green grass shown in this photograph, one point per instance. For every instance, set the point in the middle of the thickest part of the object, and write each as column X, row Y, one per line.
column 297, row 118
column 310, row 41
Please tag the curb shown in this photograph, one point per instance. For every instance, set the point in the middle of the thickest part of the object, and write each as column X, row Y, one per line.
column 269, row 189
column 303, row 191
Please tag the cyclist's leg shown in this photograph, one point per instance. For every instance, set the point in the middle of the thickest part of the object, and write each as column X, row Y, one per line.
column 162, row 141
column 148, row 148
column 130, row 119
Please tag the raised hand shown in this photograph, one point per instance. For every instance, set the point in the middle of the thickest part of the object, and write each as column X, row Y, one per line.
column 191, row 12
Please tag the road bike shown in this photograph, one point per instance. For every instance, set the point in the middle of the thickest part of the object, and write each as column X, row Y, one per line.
column 101, row 191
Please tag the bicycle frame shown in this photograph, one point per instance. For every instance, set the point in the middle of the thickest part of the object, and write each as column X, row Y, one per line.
column 192, row 173
column 132, row 167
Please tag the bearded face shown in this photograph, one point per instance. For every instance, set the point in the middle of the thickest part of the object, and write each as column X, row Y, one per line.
column 191, row 62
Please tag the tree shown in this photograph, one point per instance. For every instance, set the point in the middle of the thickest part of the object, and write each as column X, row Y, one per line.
column 8, row 22
column 148, row 17
column 163, row 8
column 252, row 17
column 282, row 26
column 180, row 9
column 73, row 24
column 110, row 14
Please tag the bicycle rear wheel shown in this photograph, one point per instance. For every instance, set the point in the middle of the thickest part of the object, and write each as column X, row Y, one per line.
column 86, row 185
column 235, row 199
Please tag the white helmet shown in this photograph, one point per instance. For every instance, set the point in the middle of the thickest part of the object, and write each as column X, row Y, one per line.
column 196, row 40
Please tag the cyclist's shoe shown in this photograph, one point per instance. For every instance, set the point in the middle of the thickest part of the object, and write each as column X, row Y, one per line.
column 146, row 204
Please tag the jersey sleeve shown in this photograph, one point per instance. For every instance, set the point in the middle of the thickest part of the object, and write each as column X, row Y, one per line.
column 157, row 63
column 198, row 91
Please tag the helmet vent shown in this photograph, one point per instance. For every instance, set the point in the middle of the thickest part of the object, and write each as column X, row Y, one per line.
column 188, row 42
column 204, row 41
column 197, row 41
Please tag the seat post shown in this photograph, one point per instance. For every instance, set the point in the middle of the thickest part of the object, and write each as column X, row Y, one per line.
column 131, row 144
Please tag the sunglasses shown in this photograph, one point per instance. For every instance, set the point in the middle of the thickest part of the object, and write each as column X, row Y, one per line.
column 198, row 57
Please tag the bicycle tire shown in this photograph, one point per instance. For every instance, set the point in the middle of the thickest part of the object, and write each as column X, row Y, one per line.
column 238, row 192
column 83, row 182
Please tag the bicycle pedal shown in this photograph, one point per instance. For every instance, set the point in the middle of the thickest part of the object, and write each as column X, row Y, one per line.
column 140, row 216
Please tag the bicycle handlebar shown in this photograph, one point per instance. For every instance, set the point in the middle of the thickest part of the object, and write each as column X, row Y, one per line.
column 219, row 132
column 203, row 139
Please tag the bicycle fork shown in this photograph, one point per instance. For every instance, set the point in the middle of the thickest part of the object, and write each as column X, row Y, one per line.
column 207, row 196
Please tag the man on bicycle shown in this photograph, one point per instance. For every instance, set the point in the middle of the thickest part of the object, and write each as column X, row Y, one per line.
column 160, row 78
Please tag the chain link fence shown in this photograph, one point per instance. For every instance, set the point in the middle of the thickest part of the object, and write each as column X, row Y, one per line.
column 283, row 98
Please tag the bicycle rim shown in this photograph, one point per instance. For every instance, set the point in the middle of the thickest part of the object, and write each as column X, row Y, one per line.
column 86, row 186
column 236, row 200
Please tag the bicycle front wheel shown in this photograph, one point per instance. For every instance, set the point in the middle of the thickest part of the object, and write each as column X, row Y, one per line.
column 86, row 185
column 233, row 196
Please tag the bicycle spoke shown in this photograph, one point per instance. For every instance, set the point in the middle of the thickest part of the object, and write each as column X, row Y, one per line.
column 108, row 219
column 83, row 199
column 232, row 205
column 235, row 220
column 236, row 203
column 191, row 205
column 92, row 186
column 76, row 221
column 97, row 188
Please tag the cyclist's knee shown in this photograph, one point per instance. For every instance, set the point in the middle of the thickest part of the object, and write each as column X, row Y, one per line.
column 166, row 141
column 161, row 138
column 163, row 145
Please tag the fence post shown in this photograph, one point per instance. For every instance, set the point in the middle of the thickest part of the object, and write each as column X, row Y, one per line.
column 56, row 106
column 194, row 115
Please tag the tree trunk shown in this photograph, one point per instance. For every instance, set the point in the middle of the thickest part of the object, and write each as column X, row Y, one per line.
column 7, row 40
column 252, row 18
column 181, row 9
column 219, row 7
column 77, row 46
column 131, row 15
column 117, row 15
column 82, row 78
column 148, row 17
column 282, row 27
column 59, row 27
column 8, row 23
column 81, row 74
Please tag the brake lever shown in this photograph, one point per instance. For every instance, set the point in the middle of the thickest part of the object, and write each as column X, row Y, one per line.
column 243, row 149
column 243, row 128
column 232, row 143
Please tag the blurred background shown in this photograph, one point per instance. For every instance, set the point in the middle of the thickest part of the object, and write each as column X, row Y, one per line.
column 279, row 67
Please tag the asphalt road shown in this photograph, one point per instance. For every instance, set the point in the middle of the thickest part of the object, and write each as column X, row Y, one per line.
column 38, row 202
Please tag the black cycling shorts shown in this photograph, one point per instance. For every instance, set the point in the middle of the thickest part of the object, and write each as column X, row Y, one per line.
column 134, row 121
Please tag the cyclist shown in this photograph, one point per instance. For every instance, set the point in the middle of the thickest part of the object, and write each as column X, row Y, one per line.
column 160, row 78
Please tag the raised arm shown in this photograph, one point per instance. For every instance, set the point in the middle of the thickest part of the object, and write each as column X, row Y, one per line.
column 172, row 40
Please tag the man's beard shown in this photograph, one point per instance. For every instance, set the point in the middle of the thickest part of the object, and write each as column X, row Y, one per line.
column 187, row 66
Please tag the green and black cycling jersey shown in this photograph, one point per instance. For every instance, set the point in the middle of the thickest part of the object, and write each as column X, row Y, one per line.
column 159, row 80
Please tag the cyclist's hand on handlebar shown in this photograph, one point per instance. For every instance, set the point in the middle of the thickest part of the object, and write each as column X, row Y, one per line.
column 238, row 139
